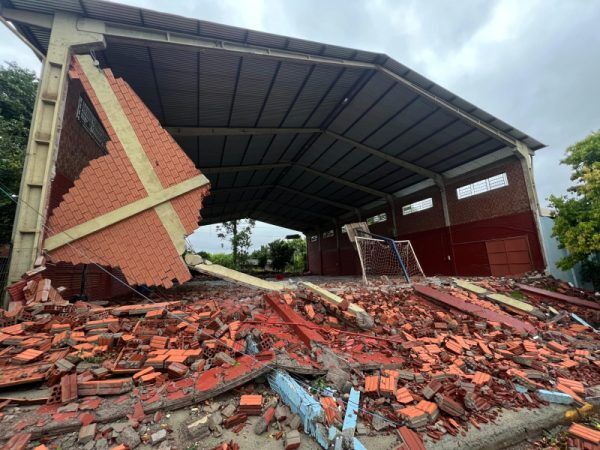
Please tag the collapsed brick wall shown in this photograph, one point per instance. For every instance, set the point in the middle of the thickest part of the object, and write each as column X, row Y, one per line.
column 140, row 246
column 456, row 250
column 91, row 282
column 76, row 147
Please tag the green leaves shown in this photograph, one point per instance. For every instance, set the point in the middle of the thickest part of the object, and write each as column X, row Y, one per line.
column 577, row 223
column 17, row 97
column 281, row 254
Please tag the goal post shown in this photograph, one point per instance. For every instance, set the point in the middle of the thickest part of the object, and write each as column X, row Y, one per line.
column 381, row 256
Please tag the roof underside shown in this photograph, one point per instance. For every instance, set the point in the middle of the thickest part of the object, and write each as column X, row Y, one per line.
column 294, row 187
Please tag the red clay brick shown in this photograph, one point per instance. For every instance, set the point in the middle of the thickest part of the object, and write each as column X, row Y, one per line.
column 111, row 182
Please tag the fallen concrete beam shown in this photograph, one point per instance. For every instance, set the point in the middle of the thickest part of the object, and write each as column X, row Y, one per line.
column 474, row 310
column 234, row 276
column 464, row 284
column 364, row 320
column 559, row 297
column 516, row 305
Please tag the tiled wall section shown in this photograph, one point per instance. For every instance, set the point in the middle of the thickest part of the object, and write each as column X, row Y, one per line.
column 140, row 246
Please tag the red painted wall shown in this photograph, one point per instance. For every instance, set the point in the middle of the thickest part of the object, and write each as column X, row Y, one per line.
column 459, row 249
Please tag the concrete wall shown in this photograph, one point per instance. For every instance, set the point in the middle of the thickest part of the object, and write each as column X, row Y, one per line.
column 456, row 250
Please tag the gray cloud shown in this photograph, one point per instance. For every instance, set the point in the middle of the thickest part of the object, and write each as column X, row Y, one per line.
column 535, row 64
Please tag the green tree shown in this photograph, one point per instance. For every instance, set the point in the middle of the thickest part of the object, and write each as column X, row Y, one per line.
column 298, row 263
column 281, row 254
column 577, row 222
column 222, row 259
column 238, row 233
column 262, row 255
column 17, row 96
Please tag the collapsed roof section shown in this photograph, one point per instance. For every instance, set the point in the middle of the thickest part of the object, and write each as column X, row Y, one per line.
column 132, row 207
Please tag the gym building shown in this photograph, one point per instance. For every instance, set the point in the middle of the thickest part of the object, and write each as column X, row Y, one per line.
column 148, row 124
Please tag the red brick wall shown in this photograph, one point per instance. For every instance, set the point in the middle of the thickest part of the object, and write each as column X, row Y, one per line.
column 314, row 253
column 423, row 220
column 138, row 247
column 329, row 253
column 75, row 150
column 498, row 202
column 460, row 249
column 349, row 262
column 96, row 285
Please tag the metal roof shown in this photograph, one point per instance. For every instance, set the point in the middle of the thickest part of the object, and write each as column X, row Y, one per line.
column 289, row 131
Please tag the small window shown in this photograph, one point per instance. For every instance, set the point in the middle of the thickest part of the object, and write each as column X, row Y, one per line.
column 314, row 238
column 481, row 186
column 90, row 123
column 417, row 206
column 377, row 219
column 328, row 234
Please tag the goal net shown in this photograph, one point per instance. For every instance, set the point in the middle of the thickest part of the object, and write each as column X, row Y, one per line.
column 378, row 258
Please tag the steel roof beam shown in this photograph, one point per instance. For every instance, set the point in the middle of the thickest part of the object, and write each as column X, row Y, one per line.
column 279, row 204
column 352, row 184
column 359, row 187
column 226, row 131
column 245, row 168
column 288, row 189
column 390, row 158
column 257, row 215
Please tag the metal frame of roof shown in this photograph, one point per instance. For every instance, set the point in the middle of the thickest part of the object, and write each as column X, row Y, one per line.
column 296, row 133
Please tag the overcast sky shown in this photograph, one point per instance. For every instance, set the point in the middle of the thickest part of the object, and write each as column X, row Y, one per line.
column 533, row 64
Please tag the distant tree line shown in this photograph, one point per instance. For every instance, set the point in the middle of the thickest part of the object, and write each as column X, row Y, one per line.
column 278, row 256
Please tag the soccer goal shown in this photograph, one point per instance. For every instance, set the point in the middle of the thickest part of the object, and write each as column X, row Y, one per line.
column 383, row 256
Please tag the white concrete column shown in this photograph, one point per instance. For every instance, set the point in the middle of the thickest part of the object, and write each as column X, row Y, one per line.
column 44, row 134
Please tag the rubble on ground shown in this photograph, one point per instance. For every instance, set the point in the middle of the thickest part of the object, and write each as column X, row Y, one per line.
column 435, row 358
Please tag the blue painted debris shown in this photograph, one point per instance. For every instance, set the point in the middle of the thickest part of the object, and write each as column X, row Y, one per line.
column 554, row 397
column 301, row 403
column 312, row 414
column 358, row 445
column 583, row 322
column 251, row 345
column 351, row 409
column 520, row 389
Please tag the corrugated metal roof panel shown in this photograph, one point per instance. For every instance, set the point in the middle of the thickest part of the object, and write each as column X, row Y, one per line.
column 257, row 146
column 282, row 95
column 252, row 88
column 111, row 12
column 49, row 6
column 407, row 116
column 360, row 104
column 266, row 39
column 218, row 74
column 180, row 24
column 224, row 32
